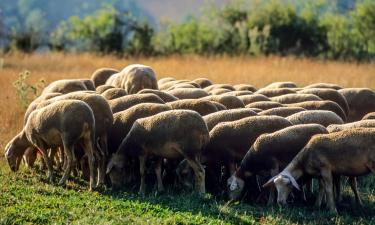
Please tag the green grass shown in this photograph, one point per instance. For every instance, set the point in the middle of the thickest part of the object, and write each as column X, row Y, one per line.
column 27, row 198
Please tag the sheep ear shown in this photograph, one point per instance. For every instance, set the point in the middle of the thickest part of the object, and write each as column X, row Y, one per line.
column 294, row 183
column 109, row 166
column 269, row 183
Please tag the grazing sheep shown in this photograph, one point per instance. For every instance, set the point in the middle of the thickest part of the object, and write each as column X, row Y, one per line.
column 64, row 124
column 349, row 153
column 216, row 86
column 34, row 104
column 275, row 92
column 322, row 117
column 264, row 105
column 203, row 82
column 114, row 93
column 181, row 85
column 271, row 153
column 255, row 109
column 245, row 87
column 324, row 85
column 89, row 84
column 219, row 106
column 282, row 111
column 123, row 121
column 65, row 86
column 219, row 91
column 123, row 103
column 171, row 84
column 227, row 115
column 100, row 76
column 328, row 94
column 248, row 99
column 321, row 105
column 165, row 80
column 360, row 100
column 358, row 124
column 231, row 102
column 369, row 116
column 162, row 94
column 163, row 136
column 203, row 107
column 102, row 88
column 294, row 98
column 188, row 93
column 282, row 84
column 238, row 93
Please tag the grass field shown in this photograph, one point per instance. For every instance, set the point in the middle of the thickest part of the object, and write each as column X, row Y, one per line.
column 26, row 197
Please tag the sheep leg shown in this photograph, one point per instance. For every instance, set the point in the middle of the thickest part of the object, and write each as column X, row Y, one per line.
column 199, row 174
column 328, row 186
column 69, row 159
column 271, row 196
column 89, row 151
column 142, row 165
column 29, row 156
column 353, row 185
column 337, row 188
column 158, row 174
column 47, row 161
column 320, row 196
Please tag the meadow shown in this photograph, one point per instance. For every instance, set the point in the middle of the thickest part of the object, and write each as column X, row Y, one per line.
column 26, row 197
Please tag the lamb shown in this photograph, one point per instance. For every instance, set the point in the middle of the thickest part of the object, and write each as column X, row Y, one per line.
column 264, row 105
column 328, row 94
column 231, row 102
column 282, row 84
column 369, row 116
column 65, row 86
column 203, row 107
column 102, row 88
column 114, row 93
column 188, row 93
column 321, row 105
column 275, row 92
column 248, row 99
column 216, row 86
column 60, row 124
column 358, row 124
column 324, row 85
column 203, row 82
column 163, row 136
column 227, row 115
column 322, row 117
column 163, row 95
column 238, row 93
column 348, row 152
column 295, row 98
column 271, row 153
column 360, row 100
column 245, row 87
column 100, row 76
column 123, row 103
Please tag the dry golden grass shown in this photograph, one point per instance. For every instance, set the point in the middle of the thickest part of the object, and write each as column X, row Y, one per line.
column 256, row 71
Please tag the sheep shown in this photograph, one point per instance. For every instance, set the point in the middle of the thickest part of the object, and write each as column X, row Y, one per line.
column 271, row 153
column 163, row 95
column 247, row 99
column 163, row 136
column 264, row 105
column 321, row 105
column 238, row 93
column 60, row 124
column 123, row 121
column 102, row 88
column 219, row 91
column 65, row 86
column 358, row 124
column 203, row 82
column 282, row 111
column 245, row 87
column 172, row 84
column 324, row 85
column 255, row 109
column 216, row 86
column 123, row 103
column 282, row 84
column 369, row 116
column 294, row 98
column 114, row 93
column 322, row 117
column 100, row 76
column 188, row 93
column 181, row 85
column 349, row 152
column 134, row 78
column 203, row 107
column 219, row 106
column 227, row 115
column 231, row 102
column 328, row 94
column 34, row 104
column 360, row 100
column 89, row 84
column 165, row 80
column 275, row 92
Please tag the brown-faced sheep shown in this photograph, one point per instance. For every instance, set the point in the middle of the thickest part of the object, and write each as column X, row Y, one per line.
column 275, row 92
column 114, row 93
column 123, row 103
column 295, row 98
column 100, row 76
column 281, row 84
column 203, row 82
column 348, row 153
column 282, row 111
column 271, row 153
column 188, row 93
column 369, row 116
column 264, row 105
column 231, row 102
column 203, row 107
column 162, row 94
column 227, row 115
column 360, row 100
column 358, row 124
column 163, row 136
column 245, row 87
column 60, row 124
column 322, row 117
column 324, row 85
column 321, row 105
column 248, row 99
column 103, row 88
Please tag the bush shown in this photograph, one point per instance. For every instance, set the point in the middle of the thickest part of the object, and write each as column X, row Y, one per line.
column 26, row 92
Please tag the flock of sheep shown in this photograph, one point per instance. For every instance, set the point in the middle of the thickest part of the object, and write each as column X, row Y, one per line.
column 116, row 127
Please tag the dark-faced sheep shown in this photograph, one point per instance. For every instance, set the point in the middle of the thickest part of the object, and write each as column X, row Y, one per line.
column 227, row 115
column 282, row 111
column 163, row 136
column 360, row 100
column 231, row 102
column 322, row 117
column 201, row 106
column 188, row 93
column 114, row 93
column 100, row 76
column 162, row 94
column 123, row 103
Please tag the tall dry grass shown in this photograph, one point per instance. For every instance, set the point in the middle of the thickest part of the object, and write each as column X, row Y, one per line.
column 256, row 71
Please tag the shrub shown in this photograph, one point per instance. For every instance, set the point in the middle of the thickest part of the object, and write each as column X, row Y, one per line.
column 27, row 92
